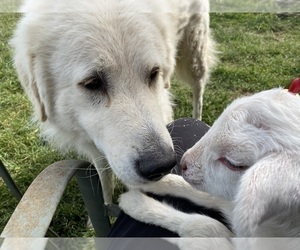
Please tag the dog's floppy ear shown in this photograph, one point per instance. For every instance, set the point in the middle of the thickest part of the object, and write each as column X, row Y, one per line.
column 25, row 66
column 268, row 188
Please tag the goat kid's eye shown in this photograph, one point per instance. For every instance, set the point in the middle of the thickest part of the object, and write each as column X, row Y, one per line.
column 231, row 166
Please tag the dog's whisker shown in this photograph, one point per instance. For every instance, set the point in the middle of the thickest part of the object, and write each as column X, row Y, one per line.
column 177, row 139
column 178, row 150
column 99, row 159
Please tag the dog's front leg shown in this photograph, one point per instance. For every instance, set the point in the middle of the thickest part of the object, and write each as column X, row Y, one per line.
column 148, row 210
column 176, row 186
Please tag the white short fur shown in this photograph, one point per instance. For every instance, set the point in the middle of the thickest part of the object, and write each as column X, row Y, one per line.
column 60, row 44
column 261, row 133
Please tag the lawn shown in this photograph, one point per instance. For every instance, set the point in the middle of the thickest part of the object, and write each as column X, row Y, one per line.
column 256, row 52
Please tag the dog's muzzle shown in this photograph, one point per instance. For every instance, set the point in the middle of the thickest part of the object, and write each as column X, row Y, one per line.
column 153, row 166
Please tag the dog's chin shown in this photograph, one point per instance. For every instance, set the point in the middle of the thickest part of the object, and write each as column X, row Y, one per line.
column 139, row 184
column 132, row 181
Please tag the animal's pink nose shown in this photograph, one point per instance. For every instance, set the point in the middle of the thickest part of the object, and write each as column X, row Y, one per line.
column 183, row 166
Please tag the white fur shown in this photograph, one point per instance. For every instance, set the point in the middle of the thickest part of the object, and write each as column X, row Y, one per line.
column 261, row 132
column 58, row 44
column 154, row 212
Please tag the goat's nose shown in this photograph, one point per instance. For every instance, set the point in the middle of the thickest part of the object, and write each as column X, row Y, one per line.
column 183, row 166
column 154, row 166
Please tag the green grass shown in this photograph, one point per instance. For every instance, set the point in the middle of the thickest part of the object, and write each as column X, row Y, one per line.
column 246, row 5
column 254, row 6
column 256, row 52
column 9, row 5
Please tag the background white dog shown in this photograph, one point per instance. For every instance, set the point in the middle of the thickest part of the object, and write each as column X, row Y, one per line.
column 247, row 164
column 98, row 73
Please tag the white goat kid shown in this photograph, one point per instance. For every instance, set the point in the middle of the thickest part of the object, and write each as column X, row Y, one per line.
column 248, row 163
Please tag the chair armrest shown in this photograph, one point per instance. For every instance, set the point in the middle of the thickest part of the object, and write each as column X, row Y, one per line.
column 34, row 213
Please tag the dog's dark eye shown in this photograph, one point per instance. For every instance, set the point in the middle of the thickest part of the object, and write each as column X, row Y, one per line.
column 231, row 166
column 91, row 84
column 95, row 83
column 153, row 74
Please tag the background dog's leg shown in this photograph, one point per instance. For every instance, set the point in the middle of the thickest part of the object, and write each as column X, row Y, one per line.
column 198, row 91
column 196, row 57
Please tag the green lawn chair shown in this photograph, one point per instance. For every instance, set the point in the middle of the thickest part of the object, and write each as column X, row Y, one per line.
column 36, row 208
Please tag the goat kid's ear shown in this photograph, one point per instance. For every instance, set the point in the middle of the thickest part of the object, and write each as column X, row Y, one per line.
column 264, row 191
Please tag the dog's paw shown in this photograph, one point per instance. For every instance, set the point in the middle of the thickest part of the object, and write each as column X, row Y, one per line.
column 167, row 185
column 148, row 210
column 131, row 202
column 203, row 226
column 138, row 206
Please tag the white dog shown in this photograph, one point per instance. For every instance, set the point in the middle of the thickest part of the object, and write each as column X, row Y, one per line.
column 98, row 73
column 247, row 164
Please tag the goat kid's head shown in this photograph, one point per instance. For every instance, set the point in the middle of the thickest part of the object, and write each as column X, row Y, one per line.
column 251, row 156
column 249, row 130
column 250, row 153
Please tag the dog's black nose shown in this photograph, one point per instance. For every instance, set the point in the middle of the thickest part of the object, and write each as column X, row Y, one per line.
column 154, row 166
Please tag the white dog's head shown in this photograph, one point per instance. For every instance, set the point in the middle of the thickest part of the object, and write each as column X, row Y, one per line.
column 97, row 79
column 251, row 156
